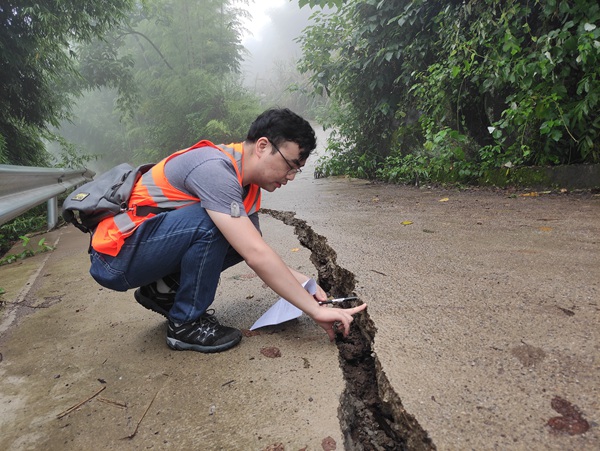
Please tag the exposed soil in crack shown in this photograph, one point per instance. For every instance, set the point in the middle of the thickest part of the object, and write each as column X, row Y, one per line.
column 334, row 279
column 371, row 413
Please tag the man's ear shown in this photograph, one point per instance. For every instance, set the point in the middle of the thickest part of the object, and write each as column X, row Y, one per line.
column 261, row 146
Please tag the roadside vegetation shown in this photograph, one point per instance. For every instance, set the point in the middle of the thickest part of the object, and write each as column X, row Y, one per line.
column 455, row 91
column 414, row 89
column 20, row 230
column 125, row 80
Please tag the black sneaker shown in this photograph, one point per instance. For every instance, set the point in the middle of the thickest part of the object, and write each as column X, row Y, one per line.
column 150, row 298
column 203, row 335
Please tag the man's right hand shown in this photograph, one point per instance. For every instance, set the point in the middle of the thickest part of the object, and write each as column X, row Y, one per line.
column 328, row 318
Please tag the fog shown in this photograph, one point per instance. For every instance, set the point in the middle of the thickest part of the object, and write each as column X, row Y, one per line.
column 271, row 38
column 269, row 68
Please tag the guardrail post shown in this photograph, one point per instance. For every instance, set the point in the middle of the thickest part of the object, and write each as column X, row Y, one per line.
column 52, row 212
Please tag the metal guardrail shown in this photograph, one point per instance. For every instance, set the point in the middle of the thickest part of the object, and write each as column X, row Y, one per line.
column 25, row 187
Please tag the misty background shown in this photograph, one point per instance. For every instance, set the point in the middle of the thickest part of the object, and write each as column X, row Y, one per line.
column 266, row 70
column 271, row 42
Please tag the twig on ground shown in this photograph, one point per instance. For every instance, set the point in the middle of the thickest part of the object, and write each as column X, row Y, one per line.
column 138, row 423
column 122, row 405
column 77, row 406
column 379, row 272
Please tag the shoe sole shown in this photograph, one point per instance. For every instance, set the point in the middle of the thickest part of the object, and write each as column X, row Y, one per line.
column 149, row 303
column 178, row 345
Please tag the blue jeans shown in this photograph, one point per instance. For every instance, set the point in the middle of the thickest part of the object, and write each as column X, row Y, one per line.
column 184, row 241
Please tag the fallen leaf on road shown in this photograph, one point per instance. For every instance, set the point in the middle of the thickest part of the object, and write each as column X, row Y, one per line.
column 545, row 229
column 296, row 249
column 271, row 352
column 328, row 444
column 531, row 194
column 571, row 421
column 250, row 333
column 445, row 199
column 406, row 222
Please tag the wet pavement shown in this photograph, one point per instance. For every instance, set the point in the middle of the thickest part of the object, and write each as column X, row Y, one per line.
column 482, row 332
column 486, row 305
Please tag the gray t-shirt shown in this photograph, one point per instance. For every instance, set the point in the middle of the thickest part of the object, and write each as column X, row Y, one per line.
column 207, row 173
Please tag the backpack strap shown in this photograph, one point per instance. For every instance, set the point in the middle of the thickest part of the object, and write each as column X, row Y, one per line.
column 145, row 210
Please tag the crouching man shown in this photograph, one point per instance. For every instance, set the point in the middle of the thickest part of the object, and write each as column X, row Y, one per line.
column 193, row 215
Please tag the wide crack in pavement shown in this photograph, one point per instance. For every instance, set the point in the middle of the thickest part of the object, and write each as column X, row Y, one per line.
column 371, row 413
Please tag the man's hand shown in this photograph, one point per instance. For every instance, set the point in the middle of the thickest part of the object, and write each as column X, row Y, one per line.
column 327, row 318
column 320, row 295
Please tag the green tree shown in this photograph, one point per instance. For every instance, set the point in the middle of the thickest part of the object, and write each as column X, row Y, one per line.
column 521, row 79
column 38, row 47
column 362, row 58
column 454, row 88
column 184, row 59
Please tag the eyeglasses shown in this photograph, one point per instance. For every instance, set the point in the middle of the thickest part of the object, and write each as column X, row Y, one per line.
column 292, row 170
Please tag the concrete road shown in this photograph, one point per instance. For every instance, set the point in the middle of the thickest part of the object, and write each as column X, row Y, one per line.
column 482, row 332
column 486, row 305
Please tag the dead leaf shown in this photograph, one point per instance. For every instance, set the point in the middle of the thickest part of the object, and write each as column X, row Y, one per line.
column 295, row 249
column 545, row 229
column 328, row 444
column 271, row 352
column 571, row 420
column 406, row 222
column 250, row 333
column 375, row 199
column 445, row 199
column 531, row 194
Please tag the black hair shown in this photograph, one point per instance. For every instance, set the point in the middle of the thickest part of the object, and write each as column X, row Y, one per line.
column 280, row 125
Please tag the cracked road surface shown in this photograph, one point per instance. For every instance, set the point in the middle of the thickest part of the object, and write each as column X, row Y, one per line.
column 368, row 420
column 485, row 305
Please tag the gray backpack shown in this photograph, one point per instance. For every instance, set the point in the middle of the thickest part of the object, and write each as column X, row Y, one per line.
column 106, row 196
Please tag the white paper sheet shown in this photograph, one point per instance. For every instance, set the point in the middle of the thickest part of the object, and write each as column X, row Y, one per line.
column 282, row 310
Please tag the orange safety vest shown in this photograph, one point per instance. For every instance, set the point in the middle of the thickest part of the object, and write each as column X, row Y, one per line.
column 154, row 190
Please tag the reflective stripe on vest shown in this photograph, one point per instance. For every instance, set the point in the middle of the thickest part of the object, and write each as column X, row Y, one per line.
column 154, row 190
column 236, row 153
